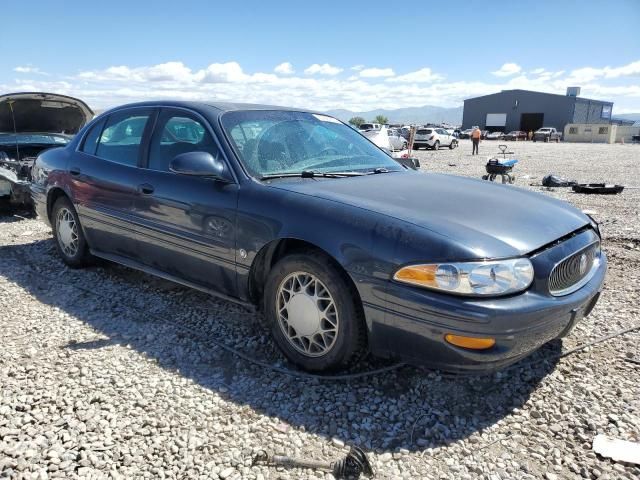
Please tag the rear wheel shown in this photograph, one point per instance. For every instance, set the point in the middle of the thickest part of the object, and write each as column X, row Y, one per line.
column 70, row 241
column 436, row 145
column 312, row 312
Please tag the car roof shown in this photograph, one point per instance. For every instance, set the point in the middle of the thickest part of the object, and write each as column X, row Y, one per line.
column 216, row 108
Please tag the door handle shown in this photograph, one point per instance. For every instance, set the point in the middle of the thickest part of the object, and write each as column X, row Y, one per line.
column 75, row 171
column 145, row 188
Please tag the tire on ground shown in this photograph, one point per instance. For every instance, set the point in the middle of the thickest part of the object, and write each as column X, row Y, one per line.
column 81, row 257
column 350, row 340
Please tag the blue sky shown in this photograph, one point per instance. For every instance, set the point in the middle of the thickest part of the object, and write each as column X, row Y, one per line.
column 387, row 54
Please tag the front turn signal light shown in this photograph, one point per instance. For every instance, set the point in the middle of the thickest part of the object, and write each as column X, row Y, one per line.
column 472, row 343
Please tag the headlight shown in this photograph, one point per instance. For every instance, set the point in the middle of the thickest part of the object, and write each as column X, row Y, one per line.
column 495, row 277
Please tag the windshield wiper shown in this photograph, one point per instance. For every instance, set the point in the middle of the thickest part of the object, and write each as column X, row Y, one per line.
column 311, row 174
column 380, row 170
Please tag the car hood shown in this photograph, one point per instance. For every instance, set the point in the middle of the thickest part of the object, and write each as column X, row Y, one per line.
column 31, row 112
column 489, row 220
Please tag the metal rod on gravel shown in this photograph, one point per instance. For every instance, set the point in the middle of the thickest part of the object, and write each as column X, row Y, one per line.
column 352, row 466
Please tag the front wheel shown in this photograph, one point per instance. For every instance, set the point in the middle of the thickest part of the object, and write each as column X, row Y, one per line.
column 70, row 242
column 453, row 145
column 313, row 313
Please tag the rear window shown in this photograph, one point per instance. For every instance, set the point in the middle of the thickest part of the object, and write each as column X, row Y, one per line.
column 424, row 131
column 122, row 136
column 91, row 139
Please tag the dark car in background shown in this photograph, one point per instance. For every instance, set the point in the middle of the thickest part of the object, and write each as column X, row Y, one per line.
column 516, row 135
column 31, row 122
column 344, row 250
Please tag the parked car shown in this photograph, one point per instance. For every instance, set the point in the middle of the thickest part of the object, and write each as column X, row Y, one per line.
column 516, row 135
column 343, row 249
column 465, row 133
column 495, row 136
column 29, row 124
column 396, row 140
column 369, row 126
column 433, row 138
column 547, row 134
column 484, row 133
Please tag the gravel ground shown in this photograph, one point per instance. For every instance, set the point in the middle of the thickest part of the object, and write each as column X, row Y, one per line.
column 110, row 373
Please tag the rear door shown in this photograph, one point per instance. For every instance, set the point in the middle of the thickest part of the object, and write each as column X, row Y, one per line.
column 187, row 223
column 104, row 176
column 445, row 138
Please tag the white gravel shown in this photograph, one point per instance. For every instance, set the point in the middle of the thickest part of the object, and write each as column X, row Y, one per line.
column 99, row 379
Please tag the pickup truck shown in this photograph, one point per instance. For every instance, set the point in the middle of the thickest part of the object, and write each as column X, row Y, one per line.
column 547, row 134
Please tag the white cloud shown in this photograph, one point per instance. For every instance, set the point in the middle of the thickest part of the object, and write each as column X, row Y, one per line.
column 228, row 81
column 324, row 69
column 29, row 69
column 230, row 72
column 424, row 75
column 587, row 74
column 507, row 70
column 357, row 68
column 377, row 72
column 284, row 68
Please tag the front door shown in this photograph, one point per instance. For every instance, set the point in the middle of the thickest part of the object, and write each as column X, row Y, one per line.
column 187, row 223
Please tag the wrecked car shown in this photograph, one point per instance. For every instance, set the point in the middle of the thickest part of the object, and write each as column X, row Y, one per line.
column 343, row 249
column 29, row 124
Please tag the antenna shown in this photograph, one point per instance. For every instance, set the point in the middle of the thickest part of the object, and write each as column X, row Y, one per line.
column 15, row 130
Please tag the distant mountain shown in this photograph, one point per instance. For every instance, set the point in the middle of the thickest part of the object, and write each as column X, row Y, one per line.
column 419, row 115
column 628, row 116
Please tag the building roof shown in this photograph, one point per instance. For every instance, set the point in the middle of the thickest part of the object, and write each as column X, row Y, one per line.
column 539, row 93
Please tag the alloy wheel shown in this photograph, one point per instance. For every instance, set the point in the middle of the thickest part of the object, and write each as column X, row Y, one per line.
column 67, row 232
column 307, row 314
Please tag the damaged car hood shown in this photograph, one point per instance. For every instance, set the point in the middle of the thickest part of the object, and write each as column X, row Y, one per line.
column 32, row 112
column 490, row 220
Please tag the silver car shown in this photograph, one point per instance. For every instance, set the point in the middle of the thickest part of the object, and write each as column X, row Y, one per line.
column 396, row 140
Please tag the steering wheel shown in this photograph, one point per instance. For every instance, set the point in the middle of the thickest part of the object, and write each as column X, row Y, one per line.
column 327, row 150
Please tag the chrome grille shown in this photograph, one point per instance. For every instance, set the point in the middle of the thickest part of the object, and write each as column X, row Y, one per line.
column 574, row 271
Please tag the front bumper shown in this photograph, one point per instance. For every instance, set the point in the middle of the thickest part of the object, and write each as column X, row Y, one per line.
column 415, row 321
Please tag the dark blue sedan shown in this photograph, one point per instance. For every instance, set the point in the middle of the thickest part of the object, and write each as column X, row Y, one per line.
column 343, row 249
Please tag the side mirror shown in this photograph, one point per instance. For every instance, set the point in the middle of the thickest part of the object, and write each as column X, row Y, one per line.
column 198, row 164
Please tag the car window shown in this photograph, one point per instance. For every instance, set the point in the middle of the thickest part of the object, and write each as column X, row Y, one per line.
column 121, row 138
column 177, row 133
column 91, row 138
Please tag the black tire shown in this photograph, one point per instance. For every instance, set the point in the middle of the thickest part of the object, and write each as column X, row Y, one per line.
column 349, row 342
column 81, row 256
column 453, row 144
column 436, row 146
